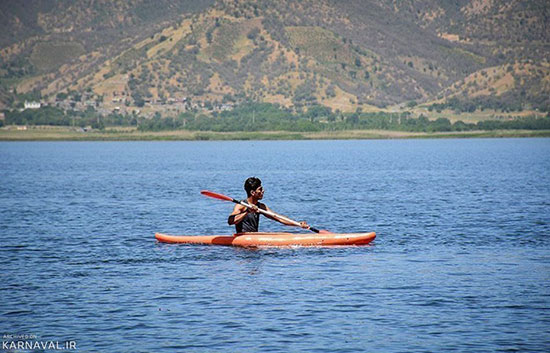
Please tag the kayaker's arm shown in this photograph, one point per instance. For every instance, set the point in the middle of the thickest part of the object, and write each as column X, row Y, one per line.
column 238, row 214
column 284, row 220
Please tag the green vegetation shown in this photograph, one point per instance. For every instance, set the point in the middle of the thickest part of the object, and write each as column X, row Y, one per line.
column 465, row 55
column 510, row 102
column 48, row 56
column 53, row 116
column 260, row 117
column 226, row 36
column 269, row 117
column 19, row 67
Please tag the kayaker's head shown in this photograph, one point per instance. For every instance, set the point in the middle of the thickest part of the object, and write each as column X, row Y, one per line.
column 253, row 187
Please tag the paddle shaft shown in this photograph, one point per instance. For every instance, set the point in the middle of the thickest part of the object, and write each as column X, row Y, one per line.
column 267, row 213
column 245, row 204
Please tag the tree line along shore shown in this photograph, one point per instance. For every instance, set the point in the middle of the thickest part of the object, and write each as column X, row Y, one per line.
column 254, row 120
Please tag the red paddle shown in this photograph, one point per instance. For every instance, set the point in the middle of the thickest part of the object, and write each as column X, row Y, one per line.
column 215, row 195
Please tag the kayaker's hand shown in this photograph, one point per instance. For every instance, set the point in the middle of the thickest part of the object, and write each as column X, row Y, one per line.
column 253, row 209
column 304, row 225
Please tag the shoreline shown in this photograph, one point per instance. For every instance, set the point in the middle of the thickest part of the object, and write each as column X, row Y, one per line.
column 66, row 134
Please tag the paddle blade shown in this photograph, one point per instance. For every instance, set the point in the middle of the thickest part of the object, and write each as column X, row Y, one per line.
column 215, row 195
column 320, row 231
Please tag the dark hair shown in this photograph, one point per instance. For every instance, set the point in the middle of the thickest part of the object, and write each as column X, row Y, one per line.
column 252, row 184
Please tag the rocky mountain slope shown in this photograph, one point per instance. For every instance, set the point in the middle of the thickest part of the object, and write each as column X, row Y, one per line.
column 341, row 54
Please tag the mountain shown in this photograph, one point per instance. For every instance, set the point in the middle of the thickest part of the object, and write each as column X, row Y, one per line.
column 352, row 54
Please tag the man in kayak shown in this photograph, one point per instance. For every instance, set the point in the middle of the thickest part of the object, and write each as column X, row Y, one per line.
column 248, row 220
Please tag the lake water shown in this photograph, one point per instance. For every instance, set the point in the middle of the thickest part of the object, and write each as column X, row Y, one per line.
column 461, row 261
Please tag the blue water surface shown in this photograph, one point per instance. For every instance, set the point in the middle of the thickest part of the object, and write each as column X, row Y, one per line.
column 461, row 262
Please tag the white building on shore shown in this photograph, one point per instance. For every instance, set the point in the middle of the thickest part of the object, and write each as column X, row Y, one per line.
column 32, row 105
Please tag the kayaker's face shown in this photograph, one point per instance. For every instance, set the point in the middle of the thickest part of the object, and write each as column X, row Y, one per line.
column 258, row 193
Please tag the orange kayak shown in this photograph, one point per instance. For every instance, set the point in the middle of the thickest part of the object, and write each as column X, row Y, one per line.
column 271, row 239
